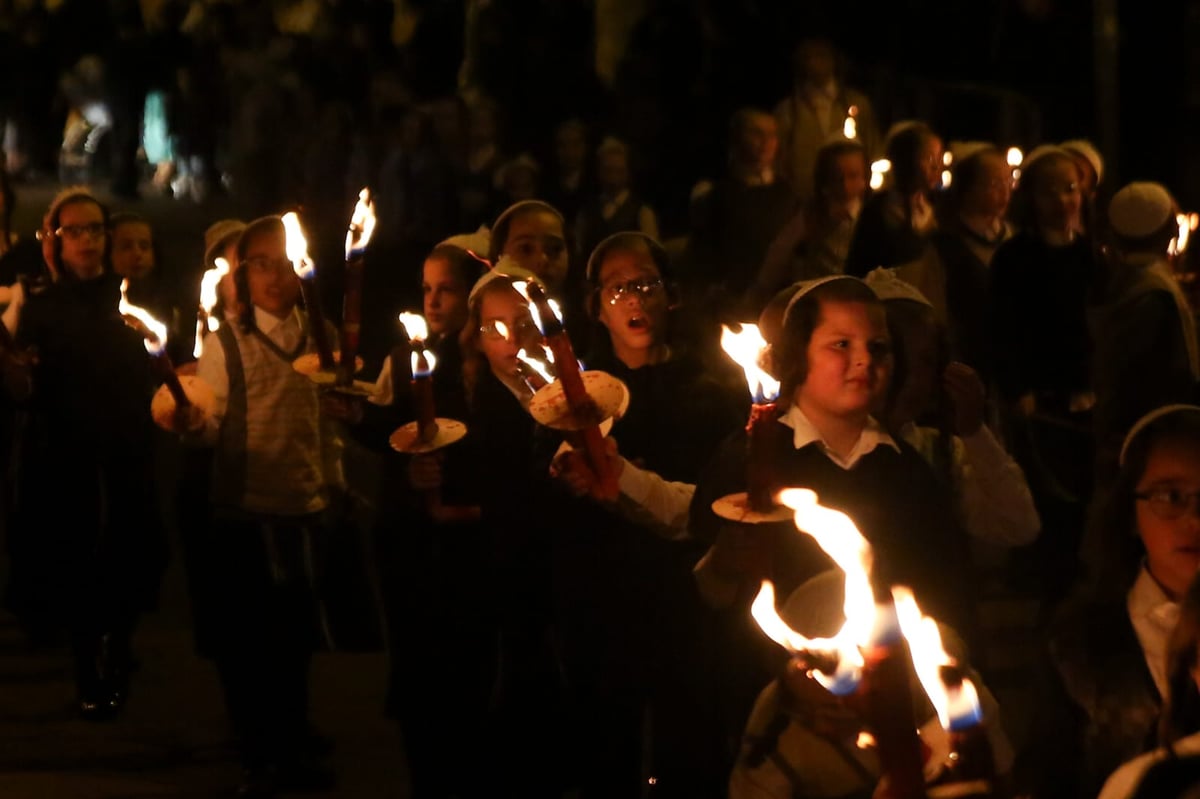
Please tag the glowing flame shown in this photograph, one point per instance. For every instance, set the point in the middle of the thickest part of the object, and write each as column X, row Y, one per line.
column 879, row 169
column 1015, row 157
column 844, row 544
column 362, row 224
column 209, row 284
column 1187, row 223
column 430, row 359
column 154, row 331
column 522, row 287
column 865, row 740
column 415, row 327
column 947, row 177
column 850, row 126
column 537, row 366
column 297, row 247
column 746, row 349
column 957, row 705
column 947, row 159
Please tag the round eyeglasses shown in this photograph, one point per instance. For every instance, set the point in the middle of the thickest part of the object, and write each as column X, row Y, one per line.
column 642, row 289
column 1169, row 503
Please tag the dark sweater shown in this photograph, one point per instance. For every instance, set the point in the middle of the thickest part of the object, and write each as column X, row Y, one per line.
column 893, row 498
column 1038, row 316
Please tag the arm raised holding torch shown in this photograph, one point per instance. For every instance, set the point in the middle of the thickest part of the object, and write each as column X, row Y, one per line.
column 581, row 404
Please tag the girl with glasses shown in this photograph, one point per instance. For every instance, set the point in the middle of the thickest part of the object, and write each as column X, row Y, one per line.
column 1108, row 645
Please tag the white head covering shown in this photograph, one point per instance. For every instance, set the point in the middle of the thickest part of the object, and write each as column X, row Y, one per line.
column 1145, row 421
column 477, row 243
column 1140, row 209
column 1087, row 150
column 505, row 269
column 887, row 285
column 805, row 286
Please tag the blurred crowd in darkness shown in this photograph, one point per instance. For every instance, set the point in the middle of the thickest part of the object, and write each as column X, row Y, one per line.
column 990, row 389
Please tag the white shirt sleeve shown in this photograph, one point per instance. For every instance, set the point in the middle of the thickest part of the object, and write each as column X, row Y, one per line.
column 383, row 385
column 646, row 498
column 212, row 370
column 996, row 502
column 12, row 314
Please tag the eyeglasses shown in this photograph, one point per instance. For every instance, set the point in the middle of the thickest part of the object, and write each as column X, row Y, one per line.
column 74, row 232
column 265, row 263
column 1169, row 503
column 497, row 329
column 642, row 289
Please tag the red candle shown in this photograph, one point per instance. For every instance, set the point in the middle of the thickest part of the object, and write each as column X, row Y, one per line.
column 885, row 699
column 580, row 402
column 362, row 225
column 422, row 394
column 302, row 264
column 762, row 429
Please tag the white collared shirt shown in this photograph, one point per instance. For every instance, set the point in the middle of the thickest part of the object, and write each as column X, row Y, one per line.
column 1153, row 615
column 805, row 432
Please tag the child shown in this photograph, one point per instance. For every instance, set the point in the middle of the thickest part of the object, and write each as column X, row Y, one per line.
column 1108, row 647
column 833, row 359
column 994, row 502
column 896, row 226
column 277, row 470
column 1179, row 727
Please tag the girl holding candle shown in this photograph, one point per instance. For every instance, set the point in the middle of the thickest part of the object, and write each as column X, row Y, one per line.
column 504, row 466
column 276, row 480
column 833, row 358
column 86, row 539
column 1107, row 671
column 635, row 647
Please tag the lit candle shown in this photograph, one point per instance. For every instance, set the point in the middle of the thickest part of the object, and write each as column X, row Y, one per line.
column 205, row 321
column 582, row 406
column 297, row 253
column 154, row 334
column 362, row 225
column 423, row 362
column 762, row 431
column 868, row 659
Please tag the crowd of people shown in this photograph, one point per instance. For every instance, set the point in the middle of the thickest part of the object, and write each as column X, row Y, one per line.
column 982, row 359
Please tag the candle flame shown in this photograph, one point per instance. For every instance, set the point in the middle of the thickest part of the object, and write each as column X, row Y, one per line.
column 209, row 284
column 522, row 287
column 746, row 349
column 362, row 223
column 415, row 327
column 536, row 365
column 153, row 331
column 1187, row 223
column 836, row 534
column 947, row 177
column 865, row 740
column 947, row 159
column 850, row 126
column 957, row 704
column 430, row 359
column 297, row 247
column 1014, row 156
column 879, row 169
